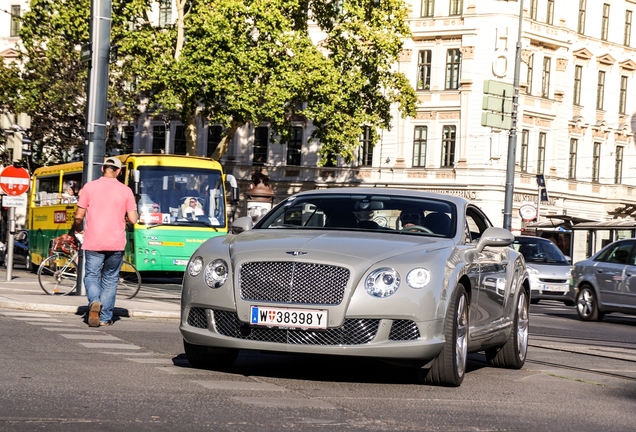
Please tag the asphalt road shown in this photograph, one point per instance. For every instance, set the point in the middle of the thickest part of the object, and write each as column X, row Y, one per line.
column 59, row 375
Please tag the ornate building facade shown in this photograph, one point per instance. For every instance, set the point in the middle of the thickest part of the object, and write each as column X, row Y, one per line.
column 574, row 126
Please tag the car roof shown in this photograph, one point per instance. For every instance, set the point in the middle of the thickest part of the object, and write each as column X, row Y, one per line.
column 457, row 200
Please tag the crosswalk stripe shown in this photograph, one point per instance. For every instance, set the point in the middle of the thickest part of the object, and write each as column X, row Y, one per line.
column 285, row 402
column 127, row 353
column 93, row 336
column 151, row 360
column 110, row 345
column 238, row 385
column 25, row 314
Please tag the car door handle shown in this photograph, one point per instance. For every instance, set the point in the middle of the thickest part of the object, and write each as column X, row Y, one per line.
column 599, row 271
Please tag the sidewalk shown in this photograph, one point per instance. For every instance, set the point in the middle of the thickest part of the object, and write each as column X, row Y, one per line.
column 23, row 292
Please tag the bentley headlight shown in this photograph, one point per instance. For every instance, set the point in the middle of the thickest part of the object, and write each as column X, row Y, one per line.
column 216, row 273
column 418, row 277
column 382, row 282
column 195, row 266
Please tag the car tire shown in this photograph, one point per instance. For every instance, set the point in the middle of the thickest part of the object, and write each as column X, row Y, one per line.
column 27, row 263
column 449, row 367
column 203, row 357
column 587, row 304
column 512, row 354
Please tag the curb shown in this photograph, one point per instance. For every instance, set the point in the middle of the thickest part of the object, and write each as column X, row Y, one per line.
column 80, row 310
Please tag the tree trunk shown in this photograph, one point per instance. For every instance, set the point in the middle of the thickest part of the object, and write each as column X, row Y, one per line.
column 191, row 135
column 180, row 28
column 224, row 145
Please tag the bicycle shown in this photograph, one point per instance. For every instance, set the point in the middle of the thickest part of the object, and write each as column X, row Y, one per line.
column 57, row 275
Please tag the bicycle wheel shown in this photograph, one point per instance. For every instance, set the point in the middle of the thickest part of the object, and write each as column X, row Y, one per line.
column 129, row 281
column 58, row 275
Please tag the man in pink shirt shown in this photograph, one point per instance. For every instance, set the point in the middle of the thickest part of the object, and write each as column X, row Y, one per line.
column 104, row 203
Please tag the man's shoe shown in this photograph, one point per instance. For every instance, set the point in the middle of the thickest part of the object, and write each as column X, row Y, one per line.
column 106, row 323
column 93, row 314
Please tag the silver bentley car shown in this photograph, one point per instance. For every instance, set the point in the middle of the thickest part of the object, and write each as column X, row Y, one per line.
column 417, row 277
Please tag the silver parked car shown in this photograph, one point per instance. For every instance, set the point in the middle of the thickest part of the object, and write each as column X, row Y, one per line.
column 549, row 269
column 606, row 282
column 417, row 277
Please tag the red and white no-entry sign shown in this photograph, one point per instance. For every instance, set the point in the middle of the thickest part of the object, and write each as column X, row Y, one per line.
column 14, row 181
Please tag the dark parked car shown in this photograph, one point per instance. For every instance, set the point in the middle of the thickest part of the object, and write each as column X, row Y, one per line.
column 549, row 269
column 606, row 282
column 411, row 276
column 21, row 256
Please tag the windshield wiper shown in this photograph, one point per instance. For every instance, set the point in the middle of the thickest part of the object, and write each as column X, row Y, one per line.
column 207, row 224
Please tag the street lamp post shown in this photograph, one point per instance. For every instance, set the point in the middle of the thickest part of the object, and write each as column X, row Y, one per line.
column 512, row 139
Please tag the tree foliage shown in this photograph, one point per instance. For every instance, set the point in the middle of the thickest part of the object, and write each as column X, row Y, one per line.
column 232, row 62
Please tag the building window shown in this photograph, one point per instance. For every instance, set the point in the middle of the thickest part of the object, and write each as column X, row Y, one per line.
column 453, row 61
column 15, row 21
column 618, row 166
column 533, row 9
column 158, row 139
column 578, row 73
column 419, row 146
column 331, row 160
column 424, row 70
column 427, row 8
column 549, row 16
column 605, row 21
column 530, row 72
column 261, row 138
column 622, row 97
column 215, row 134
column 456, row 7
column 627, row 37
column 580, row 27
column 545, row 82
column 525, row 138
column 596, row 162
column 165, row 12
column 179, row 140
column 128, row 138
column 600, row 90
column 574, row 145
column 365, row 155
column 448, row 146
column 541, row 154
column 294, row 146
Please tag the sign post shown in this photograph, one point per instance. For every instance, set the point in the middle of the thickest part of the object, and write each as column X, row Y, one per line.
column 14, row 181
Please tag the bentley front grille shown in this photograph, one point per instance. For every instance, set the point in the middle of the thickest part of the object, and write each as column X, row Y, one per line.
column 293, row 282
column 197, row 318
column 352, row 332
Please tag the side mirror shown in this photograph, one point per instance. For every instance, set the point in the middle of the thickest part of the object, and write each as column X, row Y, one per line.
column 234, row 188
column 242, row 224
column 136, row 177
column 497, row 237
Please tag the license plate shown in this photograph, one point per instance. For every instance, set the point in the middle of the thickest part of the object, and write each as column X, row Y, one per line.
column 556, row 288
column 289, row 318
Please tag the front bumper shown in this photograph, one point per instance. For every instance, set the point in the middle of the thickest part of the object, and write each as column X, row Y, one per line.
column 368, row 337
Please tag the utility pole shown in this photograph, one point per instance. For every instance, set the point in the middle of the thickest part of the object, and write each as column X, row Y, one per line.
column 97, row 99
column 512, row 139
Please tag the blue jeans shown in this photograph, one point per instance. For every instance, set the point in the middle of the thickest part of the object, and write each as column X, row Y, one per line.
column 101, row 273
